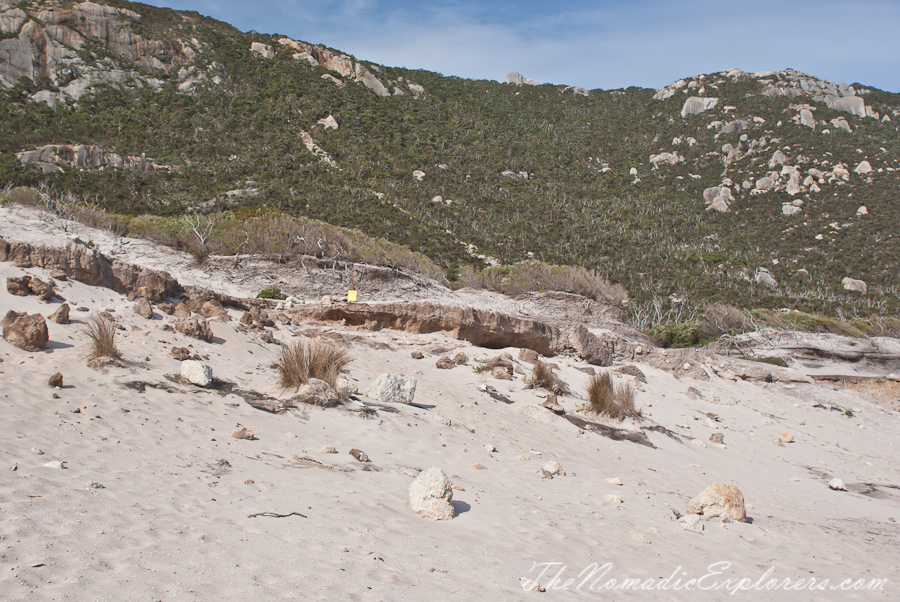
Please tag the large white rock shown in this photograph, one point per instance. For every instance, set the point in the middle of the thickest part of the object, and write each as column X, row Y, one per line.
column 850, row 284
column 393, row 388
column 329, row 122
column 850, row 104
column 778, row 158
column 765, row 183
column 864, row 167
column 263, row 50
column 196, row 373
column 806, row 118
column 764, row 277
column 695, row 105
column 788, row 209
column 431, row 495
column 720, row 499
column 840, row 122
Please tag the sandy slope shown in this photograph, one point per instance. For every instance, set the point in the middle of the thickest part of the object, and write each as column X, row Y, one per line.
column 173, row 520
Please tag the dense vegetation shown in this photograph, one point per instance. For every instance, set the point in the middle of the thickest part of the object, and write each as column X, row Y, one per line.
column 652, row 236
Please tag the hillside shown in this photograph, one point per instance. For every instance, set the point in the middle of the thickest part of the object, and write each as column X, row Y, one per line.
column 147, row 110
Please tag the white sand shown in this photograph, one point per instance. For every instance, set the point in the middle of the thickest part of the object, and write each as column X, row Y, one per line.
column 171, row 522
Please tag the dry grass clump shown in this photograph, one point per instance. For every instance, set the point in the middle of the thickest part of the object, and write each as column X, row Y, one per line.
column 542, row 377
column 308, row 359
column 722, row 318
column 101, row 334
column 615, row 401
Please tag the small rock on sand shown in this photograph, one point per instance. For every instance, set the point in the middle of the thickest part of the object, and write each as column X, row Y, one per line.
column 196, row 373
column 720, row 499
column 328, row 449
column 613, row 481
column 717, row 438
column 61, row 315
column 550, row 470
column 445, row 363
column 477, row 466
column 244, row 433
column 393, row 388
column 359, row 455
column 837, row 485
column 691, row 522
column 56, row 380
column 431, row 495
column 786, row 437
column 417, row 355
column 615, row 499
column 56, row 464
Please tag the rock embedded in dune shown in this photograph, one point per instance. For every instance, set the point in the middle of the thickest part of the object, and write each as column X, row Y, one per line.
column 196, row 373
column 61, row 315
column 445, row 363
column 143, row 309
column 28, row 332
column 317, row 393
column 431, row 495
column 613, row 481
column 552, row 405
column 786, row 438
column 717, row 438
column 417, row 355
column 615, row 499
column 181, row 353
column 393, row 388
column 328, row 449
column 18, row 286
column 719, row 499
column 194, row 326
column 56, row 380
column 537, row 413
column 43, row 290
column 691, row 522
column 460, row 359
column 528, row 355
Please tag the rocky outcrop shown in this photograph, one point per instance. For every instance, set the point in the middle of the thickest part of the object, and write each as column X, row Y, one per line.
column 45, row 44
column 84, row 264
column 335, row 61
column 590, row 348
column 480, row 327
column 85, row 156
column 28, row 332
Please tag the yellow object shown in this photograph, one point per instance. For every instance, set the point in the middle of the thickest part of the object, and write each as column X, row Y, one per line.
column 351, row 296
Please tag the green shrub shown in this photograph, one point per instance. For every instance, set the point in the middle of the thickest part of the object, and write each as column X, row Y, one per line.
column 271, row 293
column 675, row 335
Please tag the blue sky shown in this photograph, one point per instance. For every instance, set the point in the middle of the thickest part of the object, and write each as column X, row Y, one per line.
column 601, row 44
